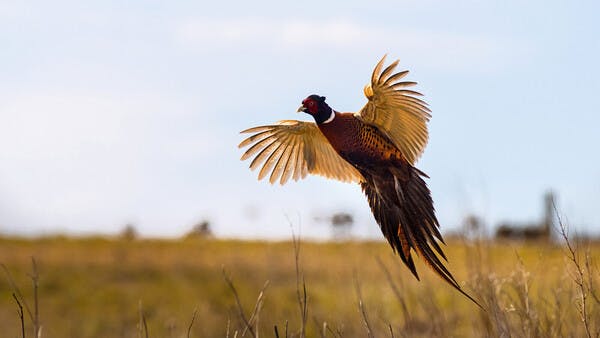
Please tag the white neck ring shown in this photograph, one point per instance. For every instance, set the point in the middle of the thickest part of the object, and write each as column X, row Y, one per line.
column 331, row 117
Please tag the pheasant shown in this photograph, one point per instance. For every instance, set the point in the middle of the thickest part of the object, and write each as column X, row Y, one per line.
column 377, row 148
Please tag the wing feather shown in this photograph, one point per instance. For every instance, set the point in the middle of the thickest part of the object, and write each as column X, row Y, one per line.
column 280, row 165
column 290, row 164
column 298, row 171
column 396, row 111
column 293, row 149
column 396, row 77
column 259, row 145
column 262, row 154
column 271, row 160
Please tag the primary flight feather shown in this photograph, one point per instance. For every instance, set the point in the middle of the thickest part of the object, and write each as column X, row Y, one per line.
column 377, row 148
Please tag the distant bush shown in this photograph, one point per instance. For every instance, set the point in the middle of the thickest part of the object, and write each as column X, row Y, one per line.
column 129, row 233
column 200, row 230
column 341, row 224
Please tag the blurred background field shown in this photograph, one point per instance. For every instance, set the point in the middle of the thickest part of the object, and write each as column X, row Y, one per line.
column 98, row 286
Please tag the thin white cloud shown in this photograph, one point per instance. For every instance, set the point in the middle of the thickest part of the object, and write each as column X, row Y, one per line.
column 442, row 50
column 207, row 30
column 306, row 33
column 290, row 33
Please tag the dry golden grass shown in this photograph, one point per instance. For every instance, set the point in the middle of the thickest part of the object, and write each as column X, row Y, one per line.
column 95, row 287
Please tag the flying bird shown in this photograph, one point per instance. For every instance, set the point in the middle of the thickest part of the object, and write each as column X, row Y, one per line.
column 377, row 147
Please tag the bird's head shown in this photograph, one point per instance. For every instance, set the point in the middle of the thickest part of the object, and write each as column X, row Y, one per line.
column 316, row 106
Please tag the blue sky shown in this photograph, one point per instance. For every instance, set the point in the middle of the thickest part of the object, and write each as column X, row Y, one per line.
column 117, row 112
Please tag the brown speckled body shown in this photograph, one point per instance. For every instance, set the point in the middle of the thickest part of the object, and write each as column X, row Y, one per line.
column 398, row 196
column 360, row 144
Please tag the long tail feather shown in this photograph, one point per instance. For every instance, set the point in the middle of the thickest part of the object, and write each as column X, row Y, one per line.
column 402, row 206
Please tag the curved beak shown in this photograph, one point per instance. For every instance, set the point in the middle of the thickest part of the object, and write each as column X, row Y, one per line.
column 302, row 109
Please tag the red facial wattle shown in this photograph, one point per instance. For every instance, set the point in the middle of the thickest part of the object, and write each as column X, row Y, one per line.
column 311, row 106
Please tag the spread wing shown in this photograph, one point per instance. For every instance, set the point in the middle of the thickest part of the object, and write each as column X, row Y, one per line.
column 396, row 111
column 293, row 149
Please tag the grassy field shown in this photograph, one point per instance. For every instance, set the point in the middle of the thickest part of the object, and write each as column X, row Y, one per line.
column 98, row 287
